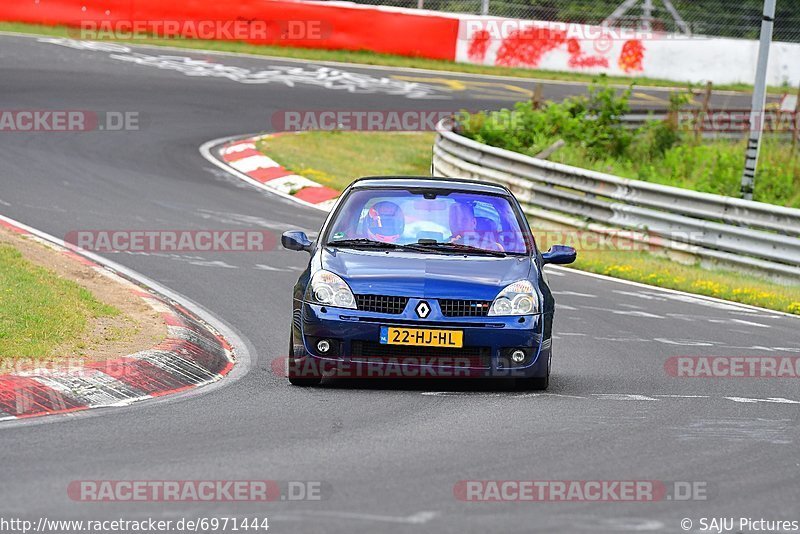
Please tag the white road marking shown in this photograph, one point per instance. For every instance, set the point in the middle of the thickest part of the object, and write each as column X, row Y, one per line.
column 215, row 263
column 262, row 267
column 623, row 397
column 684, row 396
column 636, row 313
column 623, row 339
column 632, row 313
column 626, row 397
column 419, row 518
column 637, row 294
column 632, row 525
column 776, row 431
column 750, row 323
column 739, row 321
column 684, row 342
column 575, row 294
column 247, row 220
column 748, row 400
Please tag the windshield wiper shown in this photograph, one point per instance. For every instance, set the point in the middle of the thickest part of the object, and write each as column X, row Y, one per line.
column 458, row 248
column 370, row 243
column 362, row 242
column 435, row 248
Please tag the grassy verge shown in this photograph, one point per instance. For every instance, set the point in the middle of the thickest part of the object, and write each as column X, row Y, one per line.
column 640, row 266
column 372, row 58
column 711, row 167
column 336, row 158
column 39, row 311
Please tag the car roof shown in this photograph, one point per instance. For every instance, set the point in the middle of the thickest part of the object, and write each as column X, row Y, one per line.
column 456, row 184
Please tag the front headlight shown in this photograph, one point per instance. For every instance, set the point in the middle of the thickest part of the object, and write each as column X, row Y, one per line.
column 519, row 298
column 329, row 289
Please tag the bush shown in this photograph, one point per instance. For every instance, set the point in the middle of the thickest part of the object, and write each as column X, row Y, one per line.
column 657, row 152
column 593, row 122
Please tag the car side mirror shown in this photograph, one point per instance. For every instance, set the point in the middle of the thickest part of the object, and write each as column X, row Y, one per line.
column 296, row 240
column 559, row 255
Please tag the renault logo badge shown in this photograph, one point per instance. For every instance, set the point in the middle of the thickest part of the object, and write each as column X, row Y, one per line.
column 423, row 309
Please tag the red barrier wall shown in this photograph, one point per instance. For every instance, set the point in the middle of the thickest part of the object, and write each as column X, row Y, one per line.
column 342, row 27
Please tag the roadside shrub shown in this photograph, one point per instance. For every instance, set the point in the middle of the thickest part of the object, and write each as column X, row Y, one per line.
column 595, row 138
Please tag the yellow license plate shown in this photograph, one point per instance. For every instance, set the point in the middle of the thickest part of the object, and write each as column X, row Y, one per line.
column 422, row 337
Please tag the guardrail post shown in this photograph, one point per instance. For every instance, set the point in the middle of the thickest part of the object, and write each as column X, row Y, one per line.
column 795, row 125
column 536, row 100
column 759, row 102
column 700, row 124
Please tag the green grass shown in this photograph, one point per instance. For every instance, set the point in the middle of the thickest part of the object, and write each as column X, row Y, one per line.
column 336, row 158
column 710, row 166
column 372, row 58
column 40, row 311
column 641, row 266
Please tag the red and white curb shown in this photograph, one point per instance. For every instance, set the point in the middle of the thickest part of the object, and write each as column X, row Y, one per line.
column 241, row 157
column 193, row 354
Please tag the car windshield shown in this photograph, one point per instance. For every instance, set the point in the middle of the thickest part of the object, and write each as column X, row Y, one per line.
column 441, row 220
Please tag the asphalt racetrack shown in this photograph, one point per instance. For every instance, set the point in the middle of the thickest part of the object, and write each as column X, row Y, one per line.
column 388, row 453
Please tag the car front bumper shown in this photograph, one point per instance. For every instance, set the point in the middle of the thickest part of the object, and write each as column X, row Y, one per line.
column 355, row 349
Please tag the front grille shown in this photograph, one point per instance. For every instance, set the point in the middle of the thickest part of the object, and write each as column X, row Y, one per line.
column 414, row 355
column 381, row 303
column 464, row 308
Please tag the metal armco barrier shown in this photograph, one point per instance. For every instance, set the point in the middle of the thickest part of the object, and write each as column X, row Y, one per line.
column 752, row 235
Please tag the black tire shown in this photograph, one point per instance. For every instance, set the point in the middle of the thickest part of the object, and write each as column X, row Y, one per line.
column 305, row 381
column 533, row 384
column 537, row 383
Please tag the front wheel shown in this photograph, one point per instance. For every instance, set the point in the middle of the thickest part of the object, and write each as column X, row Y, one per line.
column 535, row 384
column 299, row 376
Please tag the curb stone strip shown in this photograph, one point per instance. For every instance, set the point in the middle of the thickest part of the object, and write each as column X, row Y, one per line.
column 192, row 355
column 242, row 155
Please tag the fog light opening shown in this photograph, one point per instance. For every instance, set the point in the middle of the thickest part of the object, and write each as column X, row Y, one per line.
column 323, row 345
column 517, row 356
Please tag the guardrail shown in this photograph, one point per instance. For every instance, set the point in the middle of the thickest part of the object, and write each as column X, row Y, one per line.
column 749, row 235
column 718, row 123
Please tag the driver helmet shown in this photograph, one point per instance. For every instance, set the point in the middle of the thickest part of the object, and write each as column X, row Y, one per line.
column 385, row 222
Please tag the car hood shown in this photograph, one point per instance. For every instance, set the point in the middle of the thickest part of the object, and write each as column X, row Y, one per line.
column 424, row 275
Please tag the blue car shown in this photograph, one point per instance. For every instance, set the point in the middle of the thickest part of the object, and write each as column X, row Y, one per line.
column 423, row 277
